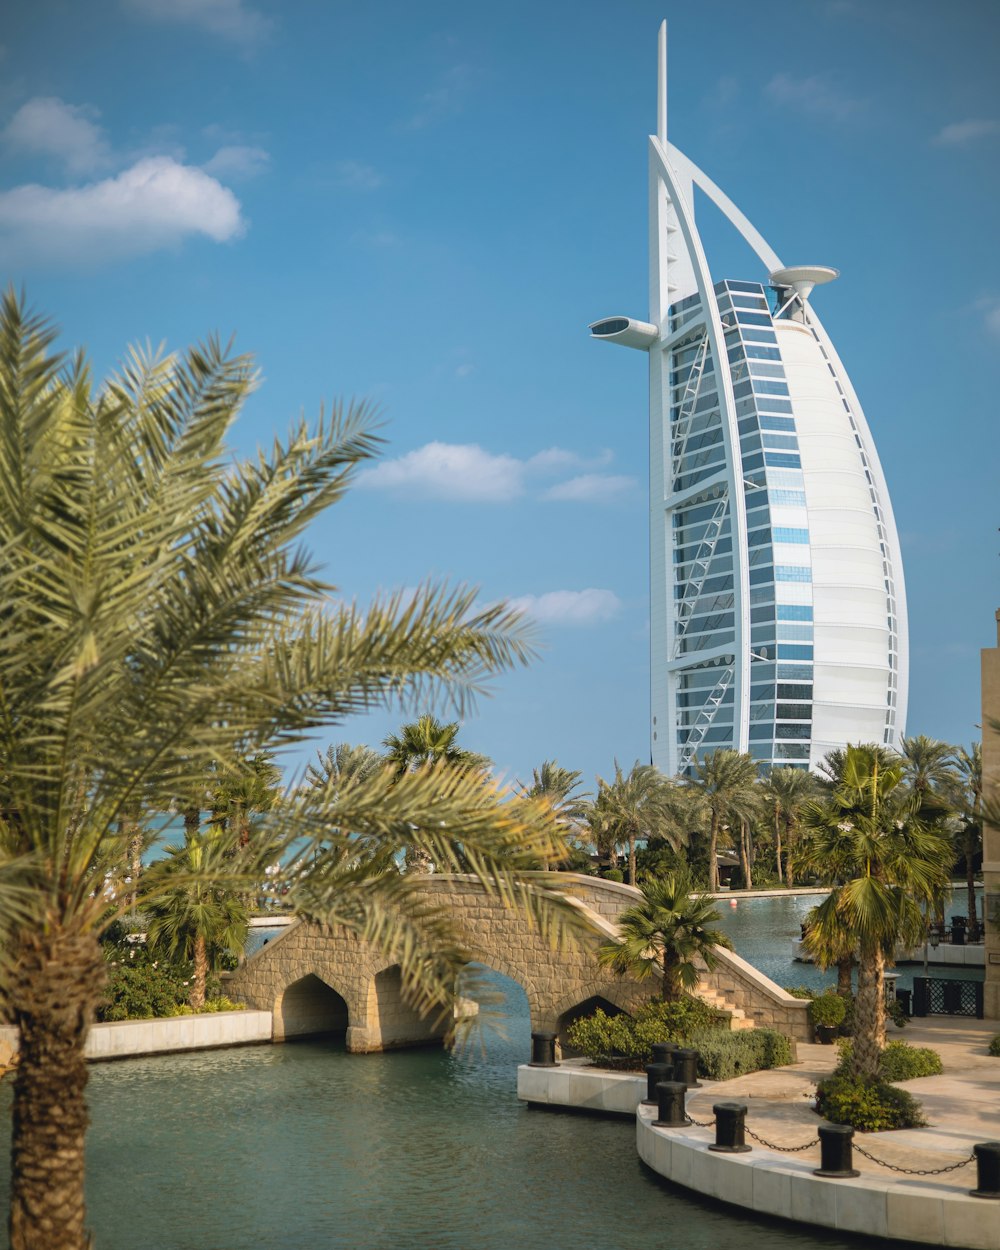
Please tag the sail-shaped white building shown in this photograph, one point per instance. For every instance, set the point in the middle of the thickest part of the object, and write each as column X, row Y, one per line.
column 777, row 607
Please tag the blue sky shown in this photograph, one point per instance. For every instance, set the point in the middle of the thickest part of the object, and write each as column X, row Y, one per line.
column 426, row 204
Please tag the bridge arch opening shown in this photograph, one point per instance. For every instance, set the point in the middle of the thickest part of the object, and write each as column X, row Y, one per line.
column 310, row 1008
column 586, row 1008
column 502, row 1012
column 392, row 1021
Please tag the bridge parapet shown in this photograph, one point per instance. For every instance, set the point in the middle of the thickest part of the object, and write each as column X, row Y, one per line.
column 320, row 979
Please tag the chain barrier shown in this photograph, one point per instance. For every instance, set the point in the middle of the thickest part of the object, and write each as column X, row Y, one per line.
column 788, row 1150
column 894, row 1167
column 700, row 1123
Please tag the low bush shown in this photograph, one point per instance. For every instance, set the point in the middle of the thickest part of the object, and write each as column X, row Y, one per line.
column 142, row 988
column 870, row 1106
column 624, row 1041
column 994, row 1046
column 722, row 1056
column 900, row 1061
column 800, row 991
column 827, row 1009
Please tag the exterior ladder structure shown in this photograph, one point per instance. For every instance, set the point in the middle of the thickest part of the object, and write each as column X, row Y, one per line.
column 685, row 415
column 694, row 582
column 706, row 716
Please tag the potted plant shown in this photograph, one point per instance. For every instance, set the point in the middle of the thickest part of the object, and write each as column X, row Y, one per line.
column 827, row 1014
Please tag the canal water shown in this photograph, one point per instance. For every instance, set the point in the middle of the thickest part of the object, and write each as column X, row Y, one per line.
column 303, row 1147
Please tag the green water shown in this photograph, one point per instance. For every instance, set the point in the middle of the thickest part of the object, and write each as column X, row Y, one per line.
column 303, row 1147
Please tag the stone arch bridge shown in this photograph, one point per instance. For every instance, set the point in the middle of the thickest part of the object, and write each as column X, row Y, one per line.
column 315, row 979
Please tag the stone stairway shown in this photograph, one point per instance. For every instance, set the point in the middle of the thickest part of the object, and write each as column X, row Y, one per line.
column 738, row 1018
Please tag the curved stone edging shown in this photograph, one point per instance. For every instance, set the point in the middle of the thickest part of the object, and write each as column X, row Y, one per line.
column 903, row 1209
column 913, row 1209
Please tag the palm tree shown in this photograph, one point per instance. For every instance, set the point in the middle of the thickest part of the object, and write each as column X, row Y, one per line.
column 342, row 763
column 190, row 915
column 783, row 793
column 869, row 836
column 968, row 803
column 246, row 788
column 160, row 613
column 830, row 943
column 560, row 788
column 632, row 806
column 726, row 782
column 928, row 765
column 428, row 743
column 669, row 930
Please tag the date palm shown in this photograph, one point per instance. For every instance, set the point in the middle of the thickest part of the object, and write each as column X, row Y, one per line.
column 560, row 788
column 868, row 834
column 967, row 800
column 189, row 914
column 160, row 614
column 726, row 783
column 633, row 806
column 670, row 931
column 783, row 793
column 342, row 763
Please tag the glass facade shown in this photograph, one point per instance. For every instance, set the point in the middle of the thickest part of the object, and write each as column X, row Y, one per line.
column 776, row 540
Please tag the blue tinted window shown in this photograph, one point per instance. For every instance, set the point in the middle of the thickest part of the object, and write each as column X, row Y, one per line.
column 777, row 423
column 783, row 460
column 753, row 288
column 759, row 576
column 763, row 730
column 785, row 442
column 792, row 573
column 751, row 334
column 760, row 353
column 802, row 632
column 764, row 386
column 787, row 651
column 795, row 672
column 795, row 498
column 770, row 404
column 794, row 612
column 752, row 319
column 782, row 534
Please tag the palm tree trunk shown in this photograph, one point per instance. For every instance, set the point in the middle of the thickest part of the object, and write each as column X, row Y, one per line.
column 631, row 859
column 197, row 997
column 135, row 864
column 845, row 968
column 58, row 980
column 869, row 1013
column 777, row 846
column 713, row 854
column 745, row 856
column 970, row 881
column 418, row 861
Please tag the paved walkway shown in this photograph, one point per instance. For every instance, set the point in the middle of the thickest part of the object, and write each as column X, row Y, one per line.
column 962, row 1105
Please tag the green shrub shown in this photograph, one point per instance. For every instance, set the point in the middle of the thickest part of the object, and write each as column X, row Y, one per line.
column 994, row 1047
column 140, row 988
column 623, row 1041
column 870, row 1106
column 827, row 1009
column 800, row 991
column 614, row 874
column 900, row 1061
column 722, row 1056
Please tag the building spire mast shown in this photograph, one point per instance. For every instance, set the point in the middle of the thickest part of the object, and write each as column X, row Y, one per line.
column 661, row 82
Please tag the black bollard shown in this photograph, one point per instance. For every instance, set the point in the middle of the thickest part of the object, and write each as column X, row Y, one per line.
column 543, row 1050
column 730, row 1125
column 686, row 1068
column 987, row 1170
column 655, row 1073
column 663, row 1052
column 835, row 1152
column 670, row 1098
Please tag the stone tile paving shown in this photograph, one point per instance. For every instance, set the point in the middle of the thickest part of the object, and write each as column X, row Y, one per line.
column 962, row 1105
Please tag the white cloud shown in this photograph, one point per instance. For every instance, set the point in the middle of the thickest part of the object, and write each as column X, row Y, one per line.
column 153, row 204
column 959, row 134
column 47, row 126
column 989, row 306
column 229, row 19
column 815, row 94
column 450, row 471
column 467, row 472
column 591, row 488
column 357, row 176
column 238, row 161
column 446, row 99
column 569, row 607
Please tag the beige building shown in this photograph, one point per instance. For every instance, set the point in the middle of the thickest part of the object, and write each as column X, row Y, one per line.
column 991, row 833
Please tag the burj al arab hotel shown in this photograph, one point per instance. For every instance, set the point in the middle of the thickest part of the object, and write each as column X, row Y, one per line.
column 777, row 607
